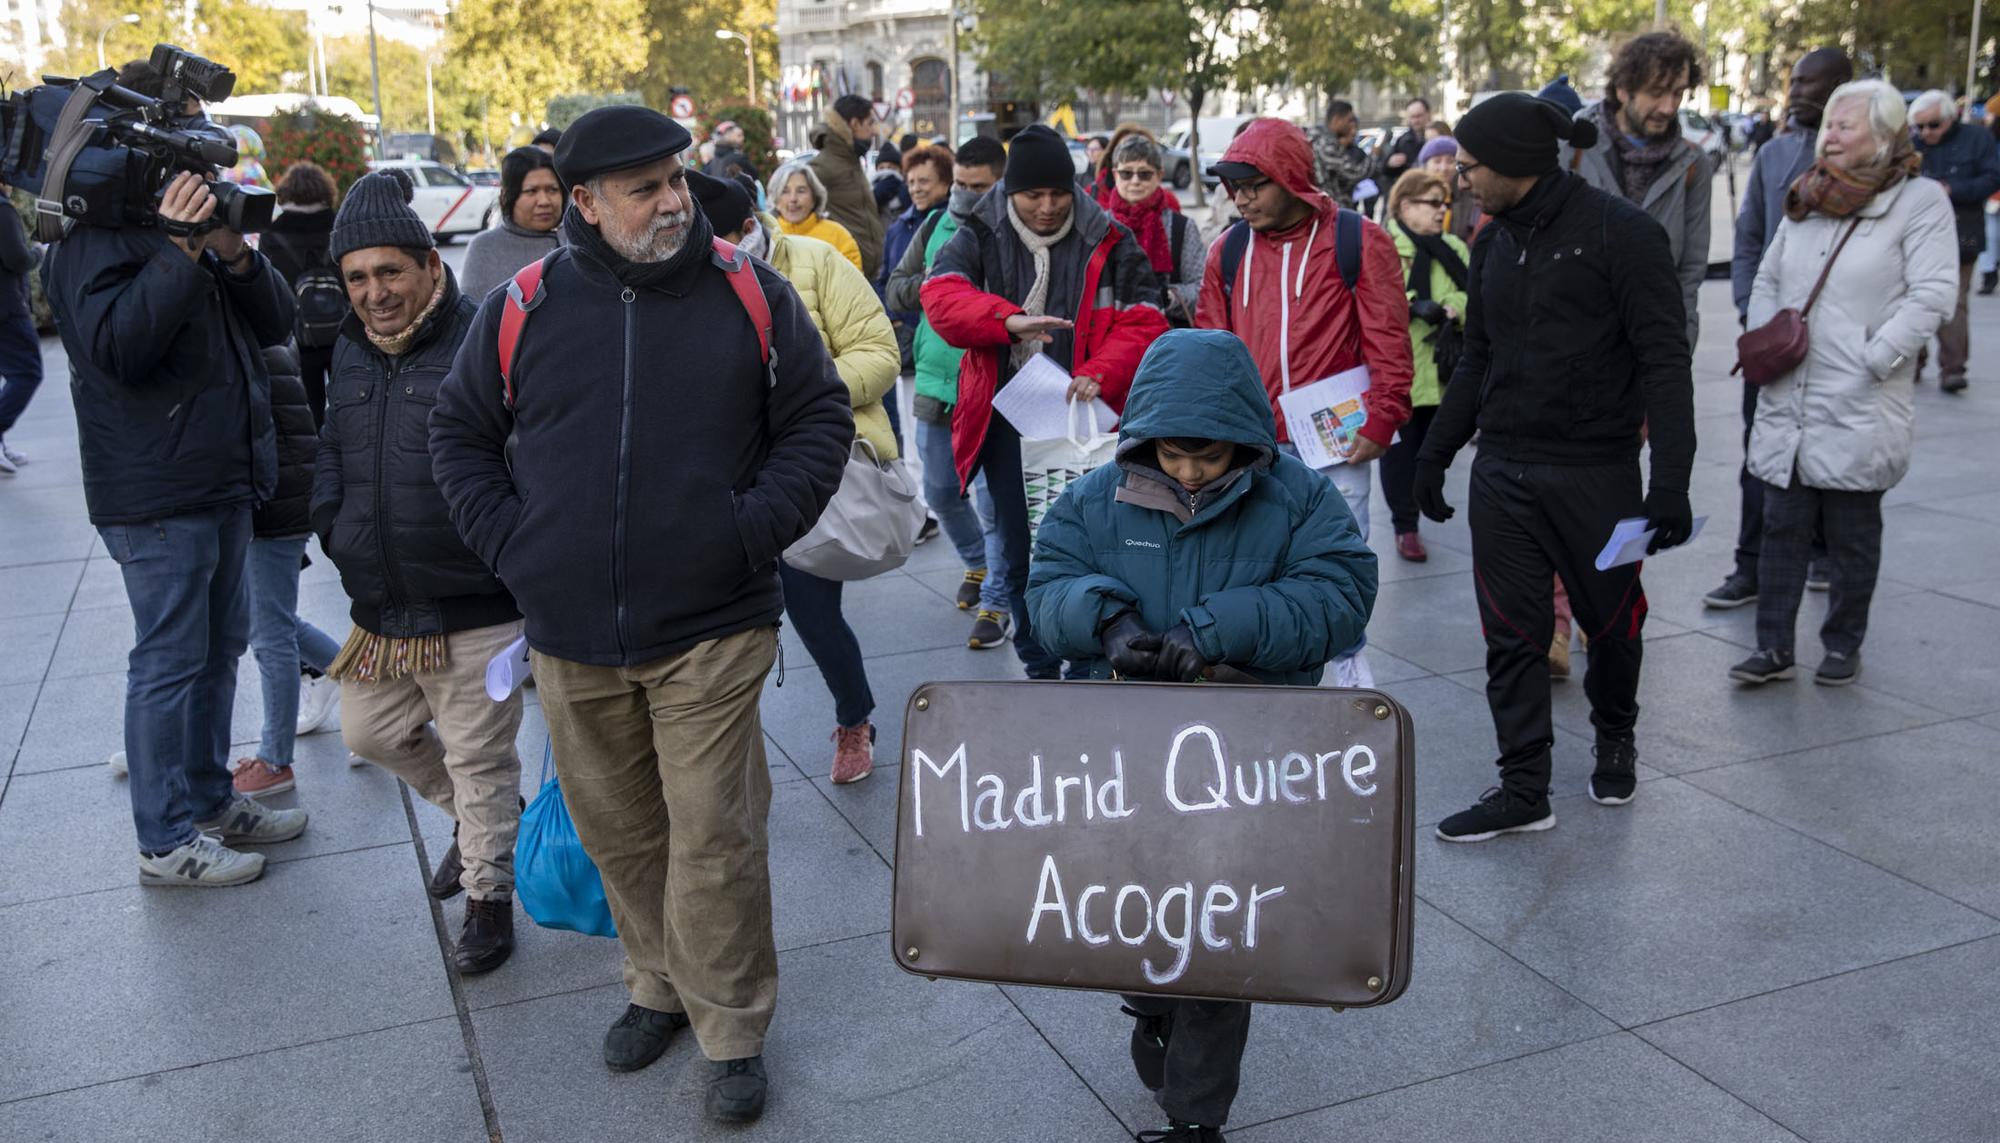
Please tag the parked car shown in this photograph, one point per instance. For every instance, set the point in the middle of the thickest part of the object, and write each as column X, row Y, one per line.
column 483, row 177
column 448, row 202
column 1696, row 129
column 1216, row 135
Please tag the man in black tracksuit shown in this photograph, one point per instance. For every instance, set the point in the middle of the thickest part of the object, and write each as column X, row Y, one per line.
column 1575, row 350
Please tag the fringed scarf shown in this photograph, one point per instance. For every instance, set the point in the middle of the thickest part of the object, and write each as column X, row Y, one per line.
column 397, row 344
column 371, row 658
column 1037, row 301
column 1837, row 193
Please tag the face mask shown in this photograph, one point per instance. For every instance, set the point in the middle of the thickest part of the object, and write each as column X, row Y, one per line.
column 963, row 200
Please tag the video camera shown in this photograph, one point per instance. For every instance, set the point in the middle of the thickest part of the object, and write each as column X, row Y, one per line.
column 101, row 154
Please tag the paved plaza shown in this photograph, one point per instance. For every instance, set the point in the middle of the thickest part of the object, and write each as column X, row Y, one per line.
column 1793, row 933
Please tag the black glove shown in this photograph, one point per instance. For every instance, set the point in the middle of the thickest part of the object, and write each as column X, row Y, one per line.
column 1670, row 518
column 1131, row 648
column 1180, row 661
column 1428, row 488
column 1427, row 310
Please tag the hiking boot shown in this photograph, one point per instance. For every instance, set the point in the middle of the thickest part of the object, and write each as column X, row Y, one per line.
column 853, row 753
column 202, row 863
column 488, row 937
column 248, row 822
column 1179, row 1131
column 319, row 705
column 1616, row 778
column 1736, row 591
column 1952, row 384
column 639, row 1036
column 989, row 630
column 1838, row 670
column 1763, row 667
column 1559, row 656
column 1819, row 577
column 736, row 1089
column 1149, row 1046
column 444, row 879
column 1410, row 546
column 255, row 777
column 929, row 531
column 968, row 589
column 1496, row 812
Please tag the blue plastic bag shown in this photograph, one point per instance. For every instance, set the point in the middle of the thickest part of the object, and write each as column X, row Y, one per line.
column 554, row 878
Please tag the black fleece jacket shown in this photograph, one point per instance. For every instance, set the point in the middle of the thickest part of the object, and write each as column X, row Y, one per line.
column 1575, row 341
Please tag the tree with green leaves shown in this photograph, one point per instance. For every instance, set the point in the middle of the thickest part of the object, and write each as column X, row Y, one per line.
column 507, row 58
column 682, row 50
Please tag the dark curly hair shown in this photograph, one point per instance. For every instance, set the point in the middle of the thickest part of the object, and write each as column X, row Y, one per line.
column 307, row 184
column 1653, row 58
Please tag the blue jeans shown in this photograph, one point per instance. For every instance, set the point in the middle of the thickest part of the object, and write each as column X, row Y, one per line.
column 961, row 522
column 184, row 577
column 282, row 641
column 1989, row 260
column 1000, row 460
column 20, row 367
column 814, row 607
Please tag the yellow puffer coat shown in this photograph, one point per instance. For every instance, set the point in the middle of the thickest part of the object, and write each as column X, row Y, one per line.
column 850, row 317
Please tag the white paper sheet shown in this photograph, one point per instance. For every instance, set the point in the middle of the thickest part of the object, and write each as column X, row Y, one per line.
column 1322, row 418
column 508, row 670
column 1629, row 539
column 1036, row 402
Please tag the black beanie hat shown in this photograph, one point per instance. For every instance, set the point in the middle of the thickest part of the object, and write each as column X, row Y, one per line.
column 1515, row 134
column 1038, row 159
column 887, row 153
column 376, row 212
column 722, row 200
column 615, row 138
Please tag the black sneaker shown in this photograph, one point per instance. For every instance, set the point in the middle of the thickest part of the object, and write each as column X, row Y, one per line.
column 1149, row 1046
column 1616, row 778
column 1952, row 384
column 929, row 531
column 1496, row 812
column 989, row 630
column 1735, row 591
column 1764, row 667
column 488, row 937
column 639, row 1036
column 1819, row 577
column 1838, row 670
column 968, row 589
column 736, row 1089
column 1178, row 1131
column 444, row 879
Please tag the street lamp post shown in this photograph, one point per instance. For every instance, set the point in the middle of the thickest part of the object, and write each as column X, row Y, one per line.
column 749, row 64
column 127, row 18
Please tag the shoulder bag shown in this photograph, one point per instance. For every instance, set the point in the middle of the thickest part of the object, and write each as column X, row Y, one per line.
column 1778, row 346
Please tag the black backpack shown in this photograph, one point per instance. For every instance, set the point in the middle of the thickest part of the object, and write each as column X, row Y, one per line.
column 321, row 299
column 1346, row 254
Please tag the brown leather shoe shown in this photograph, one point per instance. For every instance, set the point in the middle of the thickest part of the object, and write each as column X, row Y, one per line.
column 444, row 879
column 1410, row 546
column 488, row 937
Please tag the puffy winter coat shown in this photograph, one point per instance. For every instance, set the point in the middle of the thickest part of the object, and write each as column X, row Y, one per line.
column 1843, row 419
column 287, row 512
column 1268, row 570
column 1425, row 386
column 1290, row 305
column 850, row 197
column 822, row 229
column 936, row 362
column 1099, row 279
column 849, row 317
column 376, row 504
column 1968, row 161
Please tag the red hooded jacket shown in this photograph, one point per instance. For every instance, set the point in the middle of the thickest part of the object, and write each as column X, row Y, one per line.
column 1301, row 322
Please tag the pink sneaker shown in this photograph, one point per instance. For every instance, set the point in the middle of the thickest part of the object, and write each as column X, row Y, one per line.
column 256, row 777
column 853, row 753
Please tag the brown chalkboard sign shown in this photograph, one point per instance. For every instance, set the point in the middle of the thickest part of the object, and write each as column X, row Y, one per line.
column 1229, row 842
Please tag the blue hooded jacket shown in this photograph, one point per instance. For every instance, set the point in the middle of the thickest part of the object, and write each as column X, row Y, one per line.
column 1265, row 565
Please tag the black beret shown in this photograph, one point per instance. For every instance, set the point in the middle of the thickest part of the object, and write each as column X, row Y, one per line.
column 615, row 138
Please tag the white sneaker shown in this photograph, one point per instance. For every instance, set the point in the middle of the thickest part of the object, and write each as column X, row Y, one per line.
column 1352, row 671
column 11, row 455
column 7, row 466
column 355, row 761
column 202, row 863
column 247, row 820
column 117, row 764
column 319, row 702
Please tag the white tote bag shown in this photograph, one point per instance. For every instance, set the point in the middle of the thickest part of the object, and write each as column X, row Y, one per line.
column 869, row 527
column 1049, row 467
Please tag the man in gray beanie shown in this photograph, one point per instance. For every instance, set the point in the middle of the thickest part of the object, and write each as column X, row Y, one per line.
column 428, row 614
column 1575, row 345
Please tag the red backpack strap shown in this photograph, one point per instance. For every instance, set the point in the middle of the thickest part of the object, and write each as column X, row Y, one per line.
column 524, row 293
column 743, row 279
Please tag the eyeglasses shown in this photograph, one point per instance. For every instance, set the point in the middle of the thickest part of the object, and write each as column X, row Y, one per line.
column 1934, row 126
column 1136, row 174
column 1244, row 186
column 1433, row 203
column 1465, row 169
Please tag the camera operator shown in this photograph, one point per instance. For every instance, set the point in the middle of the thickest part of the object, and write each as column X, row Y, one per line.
column 164, row 333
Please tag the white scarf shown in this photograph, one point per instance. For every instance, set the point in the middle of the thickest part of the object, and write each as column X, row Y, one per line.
column 1036, row 303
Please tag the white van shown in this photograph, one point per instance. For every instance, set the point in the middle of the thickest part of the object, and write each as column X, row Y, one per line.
column 1216, row 135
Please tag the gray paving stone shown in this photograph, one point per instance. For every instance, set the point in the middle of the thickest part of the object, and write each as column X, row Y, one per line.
column 102, row 585
column 17, row 700
column 1468, row 1004
column 412, row 1082
column 94, row 640
column 31, row 642
column 1898, row 1052
column 112, row 985
column 857, row 1051
column 1433, row 623
column 80, row 719
column 1985, row 592
column 1681, row 901
column 1611, row 1088
column 38, row 589
column 1937, row 549
column 1932, row 796
column 1933, row 650
column 1981, row 505
column 799, row 716
column 58, row 539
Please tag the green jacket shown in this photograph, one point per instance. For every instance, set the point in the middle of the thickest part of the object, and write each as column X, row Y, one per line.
column 1265, row 565
column 937, row 362
column 1424, row 387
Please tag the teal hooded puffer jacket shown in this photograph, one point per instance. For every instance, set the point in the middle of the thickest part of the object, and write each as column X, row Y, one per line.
column 1270, row 572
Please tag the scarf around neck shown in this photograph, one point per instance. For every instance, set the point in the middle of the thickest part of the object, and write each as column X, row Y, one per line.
column 1432, row 249
column 1037, row 301
column 1639, row 163
column 1836, row 193
column 397, row 344
column 589, row 242
column 1147, row 220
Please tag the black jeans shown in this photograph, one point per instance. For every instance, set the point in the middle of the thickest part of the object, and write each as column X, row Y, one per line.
column 1399, row 468
column 1851, row 524
column 1750, row 529
column 814, row 607
column 1531, row 522
column 1204, row 1055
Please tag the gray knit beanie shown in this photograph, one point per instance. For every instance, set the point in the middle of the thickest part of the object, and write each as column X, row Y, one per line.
column 376, row 212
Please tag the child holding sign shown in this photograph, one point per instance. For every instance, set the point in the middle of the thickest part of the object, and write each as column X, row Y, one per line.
column 1202, row 548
